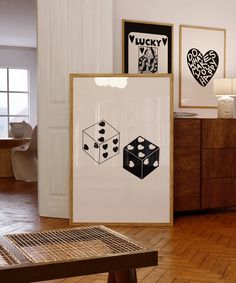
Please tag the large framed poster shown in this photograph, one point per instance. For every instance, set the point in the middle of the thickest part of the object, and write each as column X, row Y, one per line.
column 202, row 59
column 147, row 47
column 121, row 149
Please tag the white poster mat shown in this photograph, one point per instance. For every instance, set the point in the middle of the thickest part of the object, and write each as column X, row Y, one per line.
column 156, row 42
column 192, row 93
column 105, row 192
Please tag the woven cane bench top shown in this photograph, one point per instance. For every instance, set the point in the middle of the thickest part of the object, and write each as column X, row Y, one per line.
column 72, row 243
column 6, row 257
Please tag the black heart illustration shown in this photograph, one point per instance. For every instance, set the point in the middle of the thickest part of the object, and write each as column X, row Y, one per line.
column 105, row 154
column 96, row 145
column 102, row 131
column 115, row 141
column 102, row 124
column 131, row 37
column 101, row 139
column 105, row 146
column 142, row 49
column 164, row 40
column 86, row 147
column 115, row 149
column 202, row 67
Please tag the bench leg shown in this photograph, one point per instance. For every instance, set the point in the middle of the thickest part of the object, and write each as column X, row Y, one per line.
column 123, row 276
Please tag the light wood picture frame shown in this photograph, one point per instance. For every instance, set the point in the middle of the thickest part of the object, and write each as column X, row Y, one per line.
column 202, row 58
column 147, row 47
column 121, row 149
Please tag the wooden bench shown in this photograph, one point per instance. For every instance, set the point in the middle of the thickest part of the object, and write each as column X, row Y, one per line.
column 54, row 254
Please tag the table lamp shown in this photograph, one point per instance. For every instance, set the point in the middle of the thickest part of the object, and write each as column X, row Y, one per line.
column 224, row 89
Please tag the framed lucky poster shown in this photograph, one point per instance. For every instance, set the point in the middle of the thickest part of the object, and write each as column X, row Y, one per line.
column 121, row 149
column 147, row 47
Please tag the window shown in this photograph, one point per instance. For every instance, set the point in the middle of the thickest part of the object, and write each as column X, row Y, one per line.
column 14, row 98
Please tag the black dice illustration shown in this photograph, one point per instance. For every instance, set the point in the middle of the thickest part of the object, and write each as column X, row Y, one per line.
column 141, row 157
column 101, row 141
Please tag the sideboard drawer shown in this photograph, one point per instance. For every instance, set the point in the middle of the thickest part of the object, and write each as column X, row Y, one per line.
column 218, row 163
column 218, row 193
column 218, row 133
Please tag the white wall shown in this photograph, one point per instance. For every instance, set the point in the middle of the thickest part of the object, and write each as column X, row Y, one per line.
column 210, row 13
column 19, row 57
column 18, row 23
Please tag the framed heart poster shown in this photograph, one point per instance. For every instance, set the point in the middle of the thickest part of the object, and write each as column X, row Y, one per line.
column 121, row 149
column 202, row 59
column 147, row 47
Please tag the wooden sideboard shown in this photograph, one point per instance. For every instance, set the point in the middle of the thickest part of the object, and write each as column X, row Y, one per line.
column 5, row 154
column 204, row 163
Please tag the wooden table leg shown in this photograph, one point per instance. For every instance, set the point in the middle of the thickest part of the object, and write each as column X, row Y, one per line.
column 123, row 276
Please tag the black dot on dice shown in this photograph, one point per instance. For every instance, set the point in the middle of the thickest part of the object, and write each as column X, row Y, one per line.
column 102, row 131
column 115, row 149
column 101, row 139
column 86, row 147
column 105, row 154
column 96, row 145
column 105, row 146
column 115, row 141
column 102, row 124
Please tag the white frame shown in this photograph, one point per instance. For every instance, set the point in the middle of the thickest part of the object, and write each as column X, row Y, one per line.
column 106, row 193
column 191, row 93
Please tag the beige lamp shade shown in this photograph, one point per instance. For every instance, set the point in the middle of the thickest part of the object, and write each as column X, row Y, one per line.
column 223, row 87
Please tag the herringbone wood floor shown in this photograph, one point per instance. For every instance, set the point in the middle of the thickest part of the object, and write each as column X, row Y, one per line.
column 199, row 248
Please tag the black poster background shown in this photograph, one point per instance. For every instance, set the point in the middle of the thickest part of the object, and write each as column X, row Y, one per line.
column 146, row 28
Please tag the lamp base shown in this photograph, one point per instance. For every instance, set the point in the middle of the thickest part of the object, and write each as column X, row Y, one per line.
column 225, row 107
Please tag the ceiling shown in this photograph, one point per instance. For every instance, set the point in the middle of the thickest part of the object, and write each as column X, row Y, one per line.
column 18, row 23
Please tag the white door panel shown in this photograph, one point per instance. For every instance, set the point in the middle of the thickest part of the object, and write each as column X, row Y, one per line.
column 74, row 36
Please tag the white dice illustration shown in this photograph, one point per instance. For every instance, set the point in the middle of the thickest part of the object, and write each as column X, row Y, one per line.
column 101, row 141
